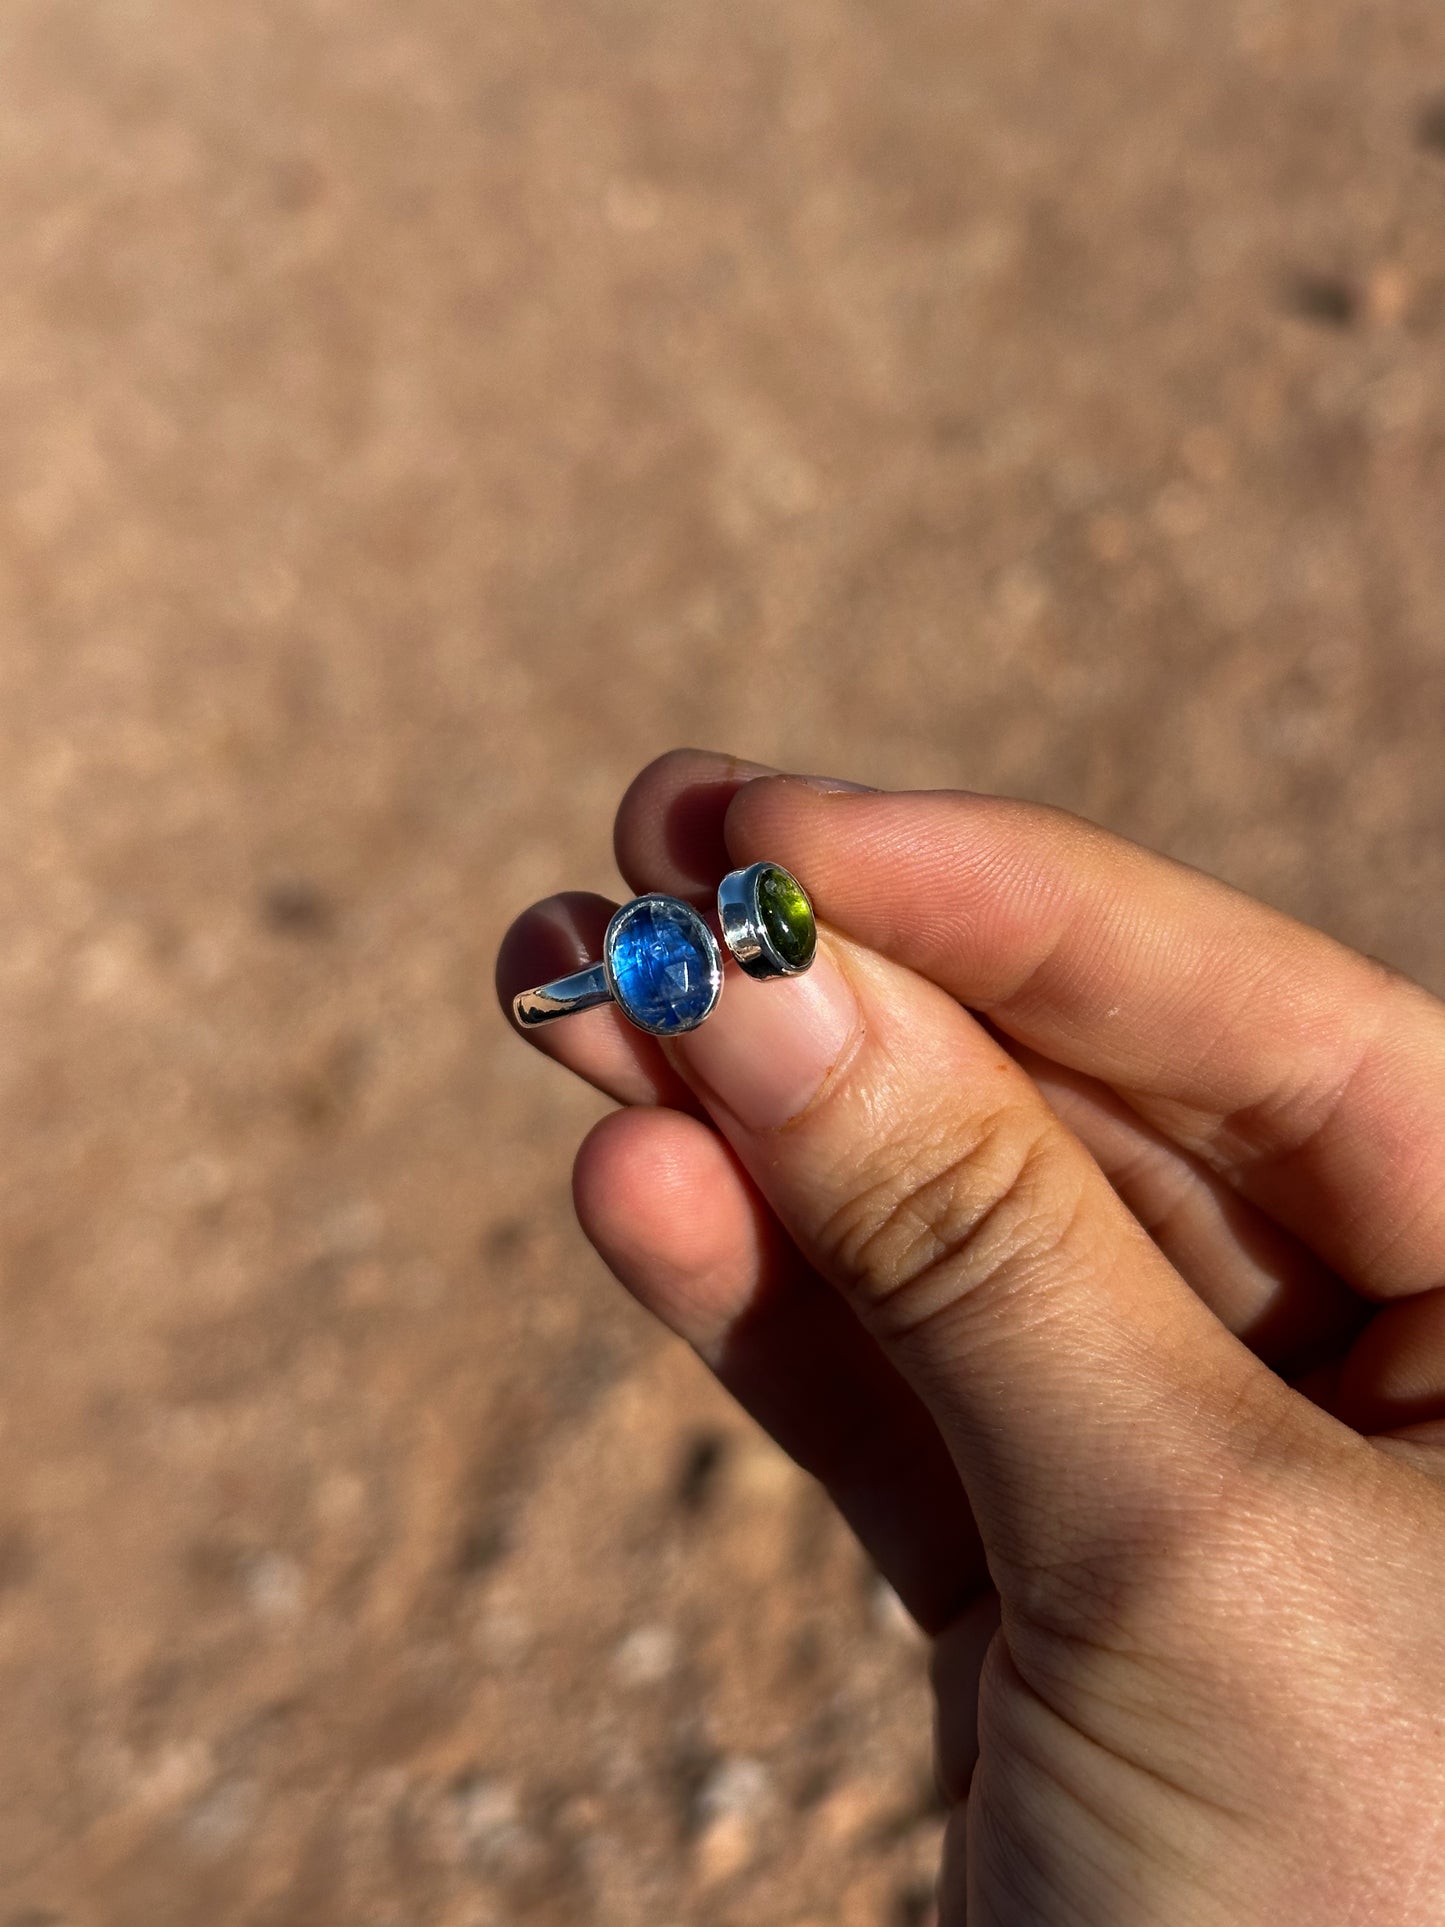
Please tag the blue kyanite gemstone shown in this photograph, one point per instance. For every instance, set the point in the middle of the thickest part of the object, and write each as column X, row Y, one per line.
column 664, row 964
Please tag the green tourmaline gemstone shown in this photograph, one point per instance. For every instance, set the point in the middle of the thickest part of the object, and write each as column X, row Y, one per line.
column 787, row 917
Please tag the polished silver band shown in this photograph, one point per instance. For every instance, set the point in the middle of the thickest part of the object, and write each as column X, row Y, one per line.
column 583, row 990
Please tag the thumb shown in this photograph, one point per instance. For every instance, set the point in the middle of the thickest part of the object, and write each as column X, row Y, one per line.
column 1082, row 1388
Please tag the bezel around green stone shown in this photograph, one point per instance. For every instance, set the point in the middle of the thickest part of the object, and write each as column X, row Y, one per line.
column 767, row 921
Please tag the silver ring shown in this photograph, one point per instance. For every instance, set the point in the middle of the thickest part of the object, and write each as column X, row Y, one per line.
column 662, row 966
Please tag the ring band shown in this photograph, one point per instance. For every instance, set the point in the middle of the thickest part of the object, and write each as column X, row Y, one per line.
column 663, row 967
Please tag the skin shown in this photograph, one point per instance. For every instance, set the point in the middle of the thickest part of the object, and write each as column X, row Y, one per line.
column 1078, row 1221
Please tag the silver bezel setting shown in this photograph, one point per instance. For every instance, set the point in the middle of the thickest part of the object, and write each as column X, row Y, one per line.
column 706, row 941
column 744, row 931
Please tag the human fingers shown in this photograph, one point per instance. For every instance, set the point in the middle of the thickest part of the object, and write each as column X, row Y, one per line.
column 674, row 1216
column 1257, row 1277
column 1393, row 1380
column 670, row 831
column 1083, row 1389
column 1309, row 1077
column 672, row 1213
column 955, row 1671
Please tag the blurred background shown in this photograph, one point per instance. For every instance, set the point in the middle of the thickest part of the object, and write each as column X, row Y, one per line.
column 413, row 418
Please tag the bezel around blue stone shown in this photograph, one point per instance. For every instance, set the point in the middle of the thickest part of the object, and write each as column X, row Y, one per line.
column 709, row 953
column 744, row 928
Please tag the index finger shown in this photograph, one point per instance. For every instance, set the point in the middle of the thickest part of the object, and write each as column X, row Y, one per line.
column 1308, row 1076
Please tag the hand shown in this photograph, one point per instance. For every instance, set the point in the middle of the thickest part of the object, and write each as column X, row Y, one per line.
column 1080, row 1223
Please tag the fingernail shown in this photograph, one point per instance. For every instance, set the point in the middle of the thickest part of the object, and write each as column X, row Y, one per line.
column 768, row 1048
column 837, row 786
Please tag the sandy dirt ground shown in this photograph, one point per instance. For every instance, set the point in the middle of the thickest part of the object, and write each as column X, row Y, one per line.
column 412, row 418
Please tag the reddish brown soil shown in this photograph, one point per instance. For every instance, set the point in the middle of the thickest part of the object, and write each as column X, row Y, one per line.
column 414, row 417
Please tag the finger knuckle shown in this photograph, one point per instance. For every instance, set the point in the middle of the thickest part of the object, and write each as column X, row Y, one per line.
column 933, row 1223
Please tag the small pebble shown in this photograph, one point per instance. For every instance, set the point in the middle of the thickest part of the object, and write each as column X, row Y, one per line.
column 731, row 1805
column 487, row 1816
column 646, row 1656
